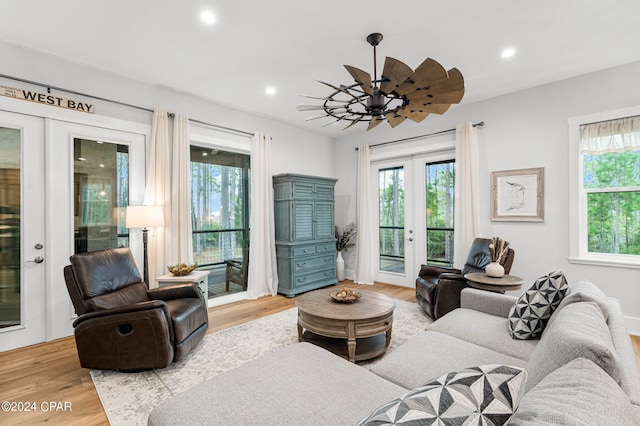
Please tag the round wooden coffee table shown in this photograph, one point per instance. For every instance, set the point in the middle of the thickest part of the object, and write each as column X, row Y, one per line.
column 500, row 285
column 364, row 324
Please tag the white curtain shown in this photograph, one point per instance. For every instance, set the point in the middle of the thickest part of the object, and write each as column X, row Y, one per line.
column 467, row 198
column 365, row 262
column 610, row 136
column 263, row 274
column 180, row 242
column 158, row 190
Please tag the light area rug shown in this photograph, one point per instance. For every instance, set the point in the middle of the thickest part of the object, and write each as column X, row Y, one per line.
column 128, row 398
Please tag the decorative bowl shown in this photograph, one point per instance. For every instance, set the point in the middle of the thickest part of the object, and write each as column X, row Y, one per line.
column 345, row 295
column 182, row 269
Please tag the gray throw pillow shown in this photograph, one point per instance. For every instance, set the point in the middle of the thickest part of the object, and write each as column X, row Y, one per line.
column 576, row 394
column 529, row 316
column 484, row 395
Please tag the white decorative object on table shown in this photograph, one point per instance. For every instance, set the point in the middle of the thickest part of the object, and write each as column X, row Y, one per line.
column 498, row 249
column 495, row 270
column 340, row 267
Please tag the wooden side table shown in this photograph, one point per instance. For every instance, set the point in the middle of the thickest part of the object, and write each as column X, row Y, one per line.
column 356, row 331
column 201, row 277
column 499, row 285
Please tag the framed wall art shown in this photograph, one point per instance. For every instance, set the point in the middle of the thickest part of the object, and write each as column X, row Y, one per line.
column 518, row 195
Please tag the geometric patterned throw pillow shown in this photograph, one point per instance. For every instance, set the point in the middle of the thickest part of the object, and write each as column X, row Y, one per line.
column 484, row 395
column 529, row 316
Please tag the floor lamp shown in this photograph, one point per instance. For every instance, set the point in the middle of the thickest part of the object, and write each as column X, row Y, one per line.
column 144, row 217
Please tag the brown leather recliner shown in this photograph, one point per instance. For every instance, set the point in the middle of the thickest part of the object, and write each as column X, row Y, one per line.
column 121, row 324
column 438, row 287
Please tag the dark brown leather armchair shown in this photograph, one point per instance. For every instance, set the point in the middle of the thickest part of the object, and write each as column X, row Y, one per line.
column 121, row 324
column 438, row 287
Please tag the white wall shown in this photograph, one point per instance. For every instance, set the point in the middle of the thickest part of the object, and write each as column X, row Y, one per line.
column 522, row 130
column 294, row 150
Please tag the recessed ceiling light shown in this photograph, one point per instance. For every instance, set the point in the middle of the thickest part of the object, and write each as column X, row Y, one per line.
column 270, row 90
column 508, row 53
column 208, row 17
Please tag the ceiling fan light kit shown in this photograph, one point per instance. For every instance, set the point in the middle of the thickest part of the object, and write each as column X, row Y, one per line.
column 398, row 94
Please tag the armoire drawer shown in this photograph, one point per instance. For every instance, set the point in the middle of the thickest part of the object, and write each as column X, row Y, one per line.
column 314, row 263
column 302, row 279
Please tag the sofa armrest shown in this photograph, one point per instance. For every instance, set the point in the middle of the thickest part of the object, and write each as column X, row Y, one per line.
column 142, row 306
column 486, row 301
column 435, row 271
column 176, row 291
column 452, row 276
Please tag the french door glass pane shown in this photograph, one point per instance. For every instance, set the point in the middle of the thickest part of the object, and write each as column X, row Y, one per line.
column 391, row 214
column 219, row 205
column 101, row 195
column 10, row 163
column 440, row 188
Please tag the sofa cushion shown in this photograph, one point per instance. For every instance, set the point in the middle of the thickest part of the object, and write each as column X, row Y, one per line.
column 586, row 291
column 576, row 394
column 430, row 354
column 579, row 330
column 532, row 310
column 483, row 395
column 483, row 329
column 298, row 384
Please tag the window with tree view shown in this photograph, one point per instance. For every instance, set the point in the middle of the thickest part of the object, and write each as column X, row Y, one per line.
column 611, row 186
column 440, row 188
column 220, row 205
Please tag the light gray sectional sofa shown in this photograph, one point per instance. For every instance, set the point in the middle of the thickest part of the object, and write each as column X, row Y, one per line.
column 581, row 371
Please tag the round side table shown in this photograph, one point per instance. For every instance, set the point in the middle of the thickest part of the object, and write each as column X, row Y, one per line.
column 482, row 281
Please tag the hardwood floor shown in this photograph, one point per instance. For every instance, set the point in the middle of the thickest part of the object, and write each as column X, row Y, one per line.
column 51, row 372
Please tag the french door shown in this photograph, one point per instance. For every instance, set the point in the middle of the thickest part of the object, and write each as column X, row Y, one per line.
column 413, row 200
column 47, row 198
column 22, row 231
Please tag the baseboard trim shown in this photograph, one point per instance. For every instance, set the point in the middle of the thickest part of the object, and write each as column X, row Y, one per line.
column 633, row 325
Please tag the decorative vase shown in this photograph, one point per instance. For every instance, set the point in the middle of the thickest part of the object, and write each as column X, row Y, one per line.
column 495, row 270
column 340, row 266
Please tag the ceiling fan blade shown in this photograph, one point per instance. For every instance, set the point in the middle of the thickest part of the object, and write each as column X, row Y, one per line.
column 356, row 121
column 428, row 72
column 325, row 99
column 334, row 121
column 413, row 114
column 374, row 122
column 394, row 119
column 449, row 90
column 425, row 98
column 319, row 107
column 339, row 89
column 396, row 72
column 363, row 78
column 315, row 117
column 454, row 83
column 309, row 107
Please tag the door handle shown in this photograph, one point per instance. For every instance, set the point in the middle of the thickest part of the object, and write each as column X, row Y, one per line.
column 38, row 259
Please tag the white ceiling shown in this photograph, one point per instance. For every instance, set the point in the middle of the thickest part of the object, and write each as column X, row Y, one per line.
column 291, row 43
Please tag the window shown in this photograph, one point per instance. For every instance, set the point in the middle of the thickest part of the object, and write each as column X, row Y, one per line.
column 220, row 205
column 609, row 191
column 440, row 190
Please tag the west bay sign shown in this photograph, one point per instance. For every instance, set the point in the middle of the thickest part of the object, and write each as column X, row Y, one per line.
column 47, row 99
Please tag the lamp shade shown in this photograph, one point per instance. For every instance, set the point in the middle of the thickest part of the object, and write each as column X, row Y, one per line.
column 144, row 217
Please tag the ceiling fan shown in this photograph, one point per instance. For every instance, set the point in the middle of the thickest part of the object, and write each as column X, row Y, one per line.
column 398, row 94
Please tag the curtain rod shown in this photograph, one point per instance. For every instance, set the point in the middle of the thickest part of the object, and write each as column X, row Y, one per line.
column 73, row 92
column 442, row 132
